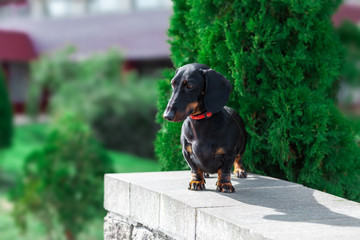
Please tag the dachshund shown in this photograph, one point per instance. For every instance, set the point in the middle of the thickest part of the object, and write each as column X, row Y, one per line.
column 213, row 136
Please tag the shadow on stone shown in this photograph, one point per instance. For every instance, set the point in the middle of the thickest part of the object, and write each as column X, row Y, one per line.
column 294, row 202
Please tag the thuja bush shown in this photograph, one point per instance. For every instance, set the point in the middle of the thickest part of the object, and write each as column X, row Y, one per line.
column 283, row 59
column 6, row 127
column 63, row 181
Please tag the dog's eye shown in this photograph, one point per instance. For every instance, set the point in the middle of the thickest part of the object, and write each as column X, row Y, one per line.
column 189, row 86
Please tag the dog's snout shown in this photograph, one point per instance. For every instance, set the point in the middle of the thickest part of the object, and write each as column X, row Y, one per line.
column 169, row 114
column 169, row 117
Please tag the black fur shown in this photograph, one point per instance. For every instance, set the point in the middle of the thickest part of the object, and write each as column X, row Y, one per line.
column 209, row 145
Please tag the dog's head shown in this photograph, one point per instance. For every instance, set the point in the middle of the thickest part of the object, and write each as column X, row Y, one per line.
column 196, row 89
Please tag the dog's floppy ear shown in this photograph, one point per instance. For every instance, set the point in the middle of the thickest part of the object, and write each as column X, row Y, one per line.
column 217, row 90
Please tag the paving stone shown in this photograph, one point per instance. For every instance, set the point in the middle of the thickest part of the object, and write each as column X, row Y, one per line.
column 116, row 195
column 177, row 219
column 144, row 206
column 261, row 208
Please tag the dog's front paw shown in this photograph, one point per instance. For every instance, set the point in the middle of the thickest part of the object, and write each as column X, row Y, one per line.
column 240, row 173
column 197, row 185
column 225, row 187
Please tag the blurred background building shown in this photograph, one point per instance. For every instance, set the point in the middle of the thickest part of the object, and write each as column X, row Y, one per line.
column 66, row 8
column 29, row 29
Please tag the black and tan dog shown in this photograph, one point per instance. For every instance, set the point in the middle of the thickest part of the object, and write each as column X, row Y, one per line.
column 213, row 136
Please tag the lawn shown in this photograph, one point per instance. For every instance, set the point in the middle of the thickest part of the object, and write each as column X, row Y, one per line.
column 27, row 139
column 31, row 137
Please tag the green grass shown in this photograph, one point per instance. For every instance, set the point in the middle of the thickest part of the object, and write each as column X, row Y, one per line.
column 27, row 139
column 31, row 137
column 125, row 163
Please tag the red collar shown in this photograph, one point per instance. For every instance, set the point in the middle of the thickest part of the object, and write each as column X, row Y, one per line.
column 201, row 116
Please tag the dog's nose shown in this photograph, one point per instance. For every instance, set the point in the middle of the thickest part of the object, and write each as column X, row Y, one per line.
column 169, row 115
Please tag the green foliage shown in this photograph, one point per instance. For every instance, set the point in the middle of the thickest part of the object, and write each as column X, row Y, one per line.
column 120, row 107
column 350, row 74
column 125, row 120
column 64, row 179
column 6, row 127
column 27, row 139
column 350, row 37
column 283, row 59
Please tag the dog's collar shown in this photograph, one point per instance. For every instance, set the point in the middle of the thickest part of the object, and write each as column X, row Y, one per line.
column 201, row 116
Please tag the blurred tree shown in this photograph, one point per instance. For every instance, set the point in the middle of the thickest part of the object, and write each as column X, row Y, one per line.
column 6, row 121
column 64, row 179
column 283, row 59
column 350, row 37
column 350, row 74
column 119, row 107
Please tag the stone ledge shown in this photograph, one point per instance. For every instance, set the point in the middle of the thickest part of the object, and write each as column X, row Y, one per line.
column 261, row 208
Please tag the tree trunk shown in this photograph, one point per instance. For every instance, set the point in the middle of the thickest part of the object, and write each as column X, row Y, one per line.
column 69, row 235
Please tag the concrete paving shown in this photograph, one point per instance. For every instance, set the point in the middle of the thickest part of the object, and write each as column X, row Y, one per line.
column 261, row 208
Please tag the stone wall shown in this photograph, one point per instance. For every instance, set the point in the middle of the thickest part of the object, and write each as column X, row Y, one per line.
column 159, row 206
column 117, row 227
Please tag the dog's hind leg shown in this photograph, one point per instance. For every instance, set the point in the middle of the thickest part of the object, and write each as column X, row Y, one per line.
column 239, row 170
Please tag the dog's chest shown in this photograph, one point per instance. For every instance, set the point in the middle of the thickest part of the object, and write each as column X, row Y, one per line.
column 202, row 136
column 200, row 142
column 202, row 155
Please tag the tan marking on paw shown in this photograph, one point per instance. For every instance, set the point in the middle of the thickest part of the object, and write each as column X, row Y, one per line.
column 225, row 187
column 197, row 185
column 239, row 170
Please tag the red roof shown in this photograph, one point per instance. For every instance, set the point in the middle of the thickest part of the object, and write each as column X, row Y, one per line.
column 16, row 46
column 17, row 2
column 349, row 12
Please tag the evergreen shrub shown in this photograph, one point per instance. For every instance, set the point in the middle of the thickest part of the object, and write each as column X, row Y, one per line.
column 63, row 181
column 6, row 121
column 120, row 107
column 283, row 60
